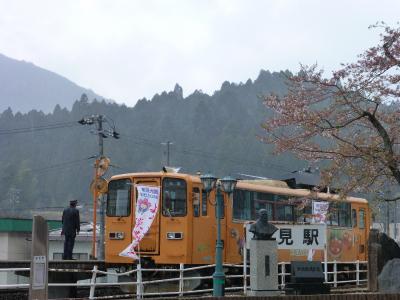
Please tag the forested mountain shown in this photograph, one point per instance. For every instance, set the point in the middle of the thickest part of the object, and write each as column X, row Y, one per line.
column 45, row 158
column 24, row 87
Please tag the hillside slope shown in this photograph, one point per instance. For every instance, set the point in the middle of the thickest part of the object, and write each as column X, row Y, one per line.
column 24, row 86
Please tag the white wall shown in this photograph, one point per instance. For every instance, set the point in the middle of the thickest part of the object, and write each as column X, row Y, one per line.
column 80, row 247
column 14, row 246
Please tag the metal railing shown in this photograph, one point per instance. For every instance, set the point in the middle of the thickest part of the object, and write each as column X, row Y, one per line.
column 338, row 274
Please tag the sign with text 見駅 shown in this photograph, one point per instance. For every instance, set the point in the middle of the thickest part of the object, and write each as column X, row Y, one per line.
column 295, row 237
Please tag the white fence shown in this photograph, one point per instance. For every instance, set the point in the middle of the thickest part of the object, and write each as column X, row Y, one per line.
column 337, row 274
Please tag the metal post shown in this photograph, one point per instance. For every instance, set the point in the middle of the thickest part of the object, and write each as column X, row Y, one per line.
column 358, row 272
column 245, row 265
column 93, row 283
column 219, row 275
column 139, row 282
column 181, row 270
column 334, row 273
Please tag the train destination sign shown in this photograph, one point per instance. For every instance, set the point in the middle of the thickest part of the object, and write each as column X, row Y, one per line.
column 293, row 237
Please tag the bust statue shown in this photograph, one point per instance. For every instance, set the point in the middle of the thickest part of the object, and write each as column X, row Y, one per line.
column 261, row 229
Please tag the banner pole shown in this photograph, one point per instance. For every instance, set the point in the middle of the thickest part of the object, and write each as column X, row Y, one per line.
column 139, row 275
column 326, row 254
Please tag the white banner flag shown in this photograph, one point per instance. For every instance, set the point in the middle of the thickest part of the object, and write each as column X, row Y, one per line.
column 319, row 211
column 146, row 210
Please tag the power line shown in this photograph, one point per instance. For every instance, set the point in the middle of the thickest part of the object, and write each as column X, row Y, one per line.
column 208, row 155
column 53, row 167
column 37, row 128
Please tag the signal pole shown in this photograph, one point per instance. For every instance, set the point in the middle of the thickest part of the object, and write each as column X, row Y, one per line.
column 100, row 134
column 98, row 120
column 167, row 143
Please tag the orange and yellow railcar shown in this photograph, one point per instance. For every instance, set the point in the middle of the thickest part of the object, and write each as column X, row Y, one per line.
column 184, row 230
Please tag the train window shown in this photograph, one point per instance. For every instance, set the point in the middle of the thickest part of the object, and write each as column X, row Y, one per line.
column 263, row 201
column 270, row 211
column 204, row 203
column 118, row 198
column 354, row 217
column 361, row 217
column 302, row 209
column 284, row 213
column 174, row 197
column 344, row 214
column 196, row 202
column 246, row 205
column 333, row 214
column 242, row 205
column 339, row 214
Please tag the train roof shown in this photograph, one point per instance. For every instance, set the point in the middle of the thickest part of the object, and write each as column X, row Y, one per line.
column 157, row 174
column 261, row 185
column 279, row 190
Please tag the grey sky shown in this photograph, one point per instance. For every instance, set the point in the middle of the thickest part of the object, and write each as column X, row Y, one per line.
column 127, row 50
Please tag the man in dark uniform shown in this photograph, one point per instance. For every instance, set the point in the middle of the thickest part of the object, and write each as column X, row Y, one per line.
column 70, row 227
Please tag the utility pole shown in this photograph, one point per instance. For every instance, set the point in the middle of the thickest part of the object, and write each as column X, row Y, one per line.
column 387, row 229
column 168, row 143
column 388, row 218
column 102, row 133
column 100, row 245
column 395, row 222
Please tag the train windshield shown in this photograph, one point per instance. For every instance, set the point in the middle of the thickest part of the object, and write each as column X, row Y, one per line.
column 174, row 197
column 118, row 198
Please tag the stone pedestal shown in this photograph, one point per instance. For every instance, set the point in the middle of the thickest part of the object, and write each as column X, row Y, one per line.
column 263, row 268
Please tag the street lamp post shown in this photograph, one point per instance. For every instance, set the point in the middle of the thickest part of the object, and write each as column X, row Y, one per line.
column 227, row 185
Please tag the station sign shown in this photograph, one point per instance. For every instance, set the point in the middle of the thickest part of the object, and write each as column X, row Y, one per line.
column 296, row 237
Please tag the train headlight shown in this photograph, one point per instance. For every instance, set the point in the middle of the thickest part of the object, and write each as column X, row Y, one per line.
column 116, row 235
column 174, row 235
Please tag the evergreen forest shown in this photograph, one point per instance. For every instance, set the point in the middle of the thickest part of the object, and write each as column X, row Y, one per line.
column 47, row 158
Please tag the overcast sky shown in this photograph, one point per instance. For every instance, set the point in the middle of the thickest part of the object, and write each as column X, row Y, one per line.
column 126, row 50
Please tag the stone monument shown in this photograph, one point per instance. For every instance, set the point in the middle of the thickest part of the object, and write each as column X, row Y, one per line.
column 263, row 257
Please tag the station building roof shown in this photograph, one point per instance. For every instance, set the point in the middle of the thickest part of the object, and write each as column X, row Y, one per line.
column 23, row 225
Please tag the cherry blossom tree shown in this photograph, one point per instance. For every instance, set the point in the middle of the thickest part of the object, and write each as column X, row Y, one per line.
column 351, row 121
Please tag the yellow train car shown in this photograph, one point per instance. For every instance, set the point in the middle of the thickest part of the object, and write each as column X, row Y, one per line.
column 184, row 230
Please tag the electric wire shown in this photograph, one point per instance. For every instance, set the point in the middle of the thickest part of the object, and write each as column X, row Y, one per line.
column 148, row 142
column 54, row 167
column 205, row 154
column 38, row 128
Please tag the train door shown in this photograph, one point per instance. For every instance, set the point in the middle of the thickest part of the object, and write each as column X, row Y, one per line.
column 362, row 226
column 202, row 231
column 175, row 234
column 150, row 244
column 118, row 219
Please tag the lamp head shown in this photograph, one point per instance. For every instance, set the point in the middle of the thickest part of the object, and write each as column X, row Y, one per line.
column 228, row 184
column 208, row 181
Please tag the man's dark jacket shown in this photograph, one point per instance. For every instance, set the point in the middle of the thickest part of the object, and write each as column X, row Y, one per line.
column 70, row 221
